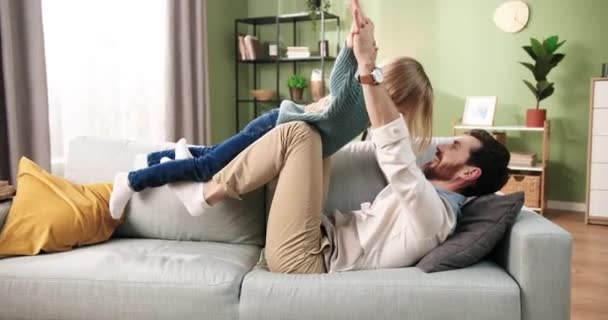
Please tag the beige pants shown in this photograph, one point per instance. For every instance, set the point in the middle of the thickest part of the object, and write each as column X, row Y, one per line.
column 291, row 152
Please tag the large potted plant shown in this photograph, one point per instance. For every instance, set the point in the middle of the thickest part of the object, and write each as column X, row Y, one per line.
column 545, row 58
column 297, row 83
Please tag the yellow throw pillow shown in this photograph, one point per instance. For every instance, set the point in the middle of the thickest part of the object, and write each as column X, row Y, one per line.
column 51, row 214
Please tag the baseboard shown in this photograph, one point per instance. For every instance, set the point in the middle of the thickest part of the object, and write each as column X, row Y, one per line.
column 567, row 206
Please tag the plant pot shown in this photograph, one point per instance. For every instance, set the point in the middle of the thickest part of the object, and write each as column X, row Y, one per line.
column 296, row 93
column 536, row 118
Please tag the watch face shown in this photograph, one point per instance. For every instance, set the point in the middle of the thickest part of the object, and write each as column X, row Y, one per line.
column 378, row 75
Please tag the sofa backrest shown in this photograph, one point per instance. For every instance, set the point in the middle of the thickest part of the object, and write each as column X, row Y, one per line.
column 156, row 212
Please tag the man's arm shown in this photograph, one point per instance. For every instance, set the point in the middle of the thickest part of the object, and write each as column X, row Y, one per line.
column 427, row 213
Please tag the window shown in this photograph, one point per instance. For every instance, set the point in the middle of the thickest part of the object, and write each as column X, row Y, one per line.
column 106, row 70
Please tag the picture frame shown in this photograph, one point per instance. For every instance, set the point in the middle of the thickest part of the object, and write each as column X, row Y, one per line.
column 479, row 111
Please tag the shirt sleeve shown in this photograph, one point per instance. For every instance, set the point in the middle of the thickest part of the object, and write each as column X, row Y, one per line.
column 417, row 196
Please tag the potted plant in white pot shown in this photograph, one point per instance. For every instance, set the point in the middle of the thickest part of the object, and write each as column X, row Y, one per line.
column 545, row 59
column 297, row 83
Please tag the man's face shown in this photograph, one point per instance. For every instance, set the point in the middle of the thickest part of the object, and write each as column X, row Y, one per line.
column 450, row 159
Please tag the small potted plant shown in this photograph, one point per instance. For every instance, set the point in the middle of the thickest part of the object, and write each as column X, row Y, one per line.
column 316, row 6
column 545, row 59
column 297, row 83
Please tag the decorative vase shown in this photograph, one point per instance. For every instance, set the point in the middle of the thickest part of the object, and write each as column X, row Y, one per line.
column 323, row 48
column 296, row 93
column 535, row 118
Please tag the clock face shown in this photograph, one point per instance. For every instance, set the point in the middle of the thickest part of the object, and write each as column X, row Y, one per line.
column 512, row 16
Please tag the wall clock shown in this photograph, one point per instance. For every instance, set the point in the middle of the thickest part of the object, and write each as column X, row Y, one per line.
column 512, row 16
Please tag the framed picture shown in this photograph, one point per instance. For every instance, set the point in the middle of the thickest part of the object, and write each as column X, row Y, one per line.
column 479, row 111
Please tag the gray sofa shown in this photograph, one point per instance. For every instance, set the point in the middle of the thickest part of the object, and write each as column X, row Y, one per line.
column 164, row 264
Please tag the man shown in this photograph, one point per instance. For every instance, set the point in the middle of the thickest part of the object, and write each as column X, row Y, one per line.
column 415, row 213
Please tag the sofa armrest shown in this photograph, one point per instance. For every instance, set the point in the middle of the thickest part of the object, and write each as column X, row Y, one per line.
column 538, row 255
column 5, row 206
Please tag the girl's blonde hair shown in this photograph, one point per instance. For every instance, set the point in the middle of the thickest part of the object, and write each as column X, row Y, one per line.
column 410, row 89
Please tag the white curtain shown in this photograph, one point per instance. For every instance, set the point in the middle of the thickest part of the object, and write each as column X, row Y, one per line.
column 106, row 66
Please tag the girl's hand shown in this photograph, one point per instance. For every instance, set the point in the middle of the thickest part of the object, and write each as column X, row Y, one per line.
column 358, row 22
column 365, row 46
column 358, row 17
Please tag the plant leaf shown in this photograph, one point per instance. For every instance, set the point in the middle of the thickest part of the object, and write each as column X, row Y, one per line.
column 537, row 47
column 559, row 45
column 557, row 58
column 541, row 69
column 531, row 87
column 551, row 44
column 542, row 85
column 528, row 65
column 530, row 51
column 546, row 93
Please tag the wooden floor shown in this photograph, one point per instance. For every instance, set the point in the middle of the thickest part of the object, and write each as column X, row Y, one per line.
column 589, row 265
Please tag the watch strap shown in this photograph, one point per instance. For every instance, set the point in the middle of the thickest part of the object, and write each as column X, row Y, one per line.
column 367, row 79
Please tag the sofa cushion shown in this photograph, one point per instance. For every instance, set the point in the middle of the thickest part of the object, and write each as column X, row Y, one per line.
column 483, row 291
column 156, row 212
column 49, row 213
column 483, row 223
column 127, row 279
column 348, row 190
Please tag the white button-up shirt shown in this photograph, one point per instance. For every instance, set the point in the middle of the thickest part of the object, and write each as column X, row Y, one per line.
column 408, row 218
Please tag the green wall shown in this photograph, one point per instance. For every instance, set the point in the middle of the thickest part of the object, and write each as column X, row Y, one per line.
column 220, row 27
column 465, row 54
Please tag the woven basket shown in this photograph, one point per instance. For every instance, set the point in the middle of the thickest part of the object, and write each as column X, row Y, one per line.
column 529, row 184
column 263, row 94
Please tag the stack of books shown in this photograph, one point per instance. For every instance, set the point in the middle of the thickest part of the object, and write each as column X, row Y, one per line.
column 523, row 159
column 298, row 52
column 6, row 190
column 249, row 47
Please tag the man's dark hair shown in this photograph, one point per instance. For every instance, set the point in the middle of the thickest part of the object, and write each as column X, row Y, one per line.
column 493, row 160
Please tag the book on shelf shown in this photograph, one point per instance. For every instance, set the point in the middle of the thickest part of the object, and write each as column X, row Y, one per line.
column 249, row 47
column 523, row 159
column 298, row 55
column 241, row 43
column 297, row 52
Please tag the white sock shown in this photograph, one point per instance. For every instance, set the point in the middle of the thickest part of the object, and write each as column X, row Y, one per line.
column 189, row 193
column 140, row 162
column 191, row 196
column 121, row 193
column 181, row 150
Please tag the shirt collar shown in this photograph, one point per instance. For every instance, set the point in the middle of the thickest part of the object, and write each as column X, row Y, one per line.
column 456, row 200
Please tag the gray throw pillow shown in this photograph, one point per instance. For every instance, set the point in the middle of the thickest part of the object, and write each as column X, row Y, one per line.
column 483, row 223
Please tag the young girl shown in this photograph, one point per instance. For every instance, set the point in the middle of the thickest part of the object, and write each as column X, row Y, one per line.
column 338, row 118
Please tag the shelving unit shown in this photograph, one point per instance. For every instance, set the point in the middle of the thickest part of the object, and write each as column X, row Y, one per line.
column 279, row 20
column 540, row 168
column 597, row 154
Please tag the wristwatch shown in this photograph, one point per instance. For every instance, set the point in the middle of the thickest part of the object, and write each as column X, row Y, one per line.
column 375, row 77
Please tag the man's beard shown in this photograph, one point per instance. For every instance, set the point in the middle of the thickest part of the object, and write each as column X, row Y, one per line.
column 440, row 171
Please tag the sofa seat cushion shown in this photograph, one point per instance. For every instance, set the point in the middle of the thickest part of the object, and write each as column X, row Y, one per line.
column 482, row 291
column 128, row 279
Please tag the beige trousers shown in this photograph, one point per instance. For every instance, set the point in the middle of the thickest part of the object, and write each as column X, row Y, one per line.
column 291, row 152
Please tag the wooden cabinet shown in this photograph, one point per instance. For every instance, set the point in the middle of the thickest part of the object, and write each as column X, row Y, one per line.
column 597, row 154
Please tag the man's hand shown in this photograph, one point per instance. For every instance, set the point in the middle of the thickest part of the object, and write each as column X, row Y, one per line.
column 365, row 47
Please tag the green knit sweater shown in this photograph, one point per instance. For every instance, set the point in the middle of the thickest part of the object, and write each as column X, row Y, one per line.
column 345, row 117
